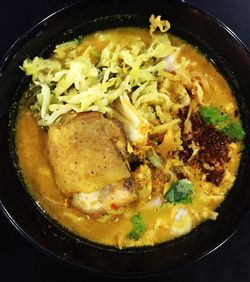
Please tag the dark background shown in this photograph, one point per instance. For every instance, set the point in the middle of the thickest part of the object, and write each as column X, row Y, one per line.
column 20, row 261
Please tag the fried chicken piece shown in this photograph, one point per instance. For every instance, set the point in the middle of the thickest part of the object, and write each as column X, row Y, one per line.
column 88, row 154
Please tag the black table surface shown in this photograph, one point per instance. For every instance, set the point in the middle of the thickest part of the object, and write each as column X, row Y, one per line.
column 21, row 261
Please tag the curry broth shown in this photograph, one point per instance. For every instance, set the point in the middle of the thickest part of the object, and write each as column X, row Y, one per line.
column 31, row 143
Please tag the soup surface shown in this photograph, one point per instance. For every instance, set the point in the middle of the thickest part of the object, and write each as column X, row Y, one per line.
column 128, row 137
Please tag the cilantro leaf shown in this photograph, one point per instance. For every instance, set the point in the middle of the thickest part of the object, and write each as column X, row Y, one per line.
column 212, row 115
column 138, row 227
column 234, row 130
column 180, row 192
column 222, row 122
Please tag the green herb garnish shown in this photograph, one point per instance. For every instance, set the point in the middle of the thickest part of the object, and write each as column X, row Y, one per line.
column 180, row 192
column 234, row 130
column 222, row 122
column 212, row 115
column 138, row 227
column 79, row 39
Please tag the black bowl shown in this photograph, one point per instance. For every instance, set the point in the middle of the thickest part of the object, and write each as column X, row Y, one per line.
column 212, row 38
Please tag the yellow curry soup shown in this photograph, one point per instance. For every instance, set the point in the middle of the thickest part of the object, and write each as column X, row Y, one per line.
column 179, row 158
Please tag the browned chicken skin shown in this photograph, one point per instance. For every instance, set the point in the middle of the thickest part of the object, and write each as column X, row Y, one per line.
column 88, row 154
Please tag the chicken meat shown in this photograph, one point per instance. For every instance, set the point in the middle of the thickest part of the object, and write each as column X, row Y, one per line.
column 88, row 154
